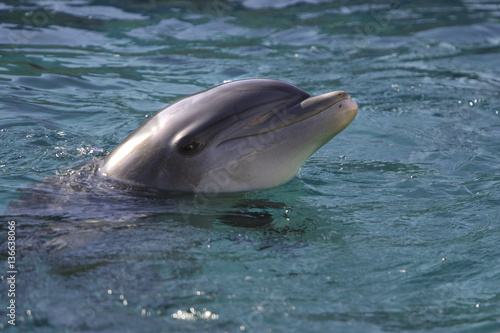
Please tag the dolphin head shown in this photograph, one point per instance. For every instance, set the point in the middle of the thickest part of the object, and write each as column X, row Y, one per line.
column 239, row 136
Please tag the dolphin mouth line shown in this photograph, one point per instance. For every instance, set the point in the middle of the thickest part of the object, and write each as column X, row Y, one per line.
column 306, row 115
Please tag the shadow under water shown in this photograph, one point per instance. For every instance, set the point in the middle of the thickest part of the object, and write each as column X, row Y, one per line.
column 70, row 209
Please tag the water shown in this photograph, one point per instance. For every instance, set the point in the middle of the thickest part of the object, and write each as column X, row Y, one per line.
column 392, row 226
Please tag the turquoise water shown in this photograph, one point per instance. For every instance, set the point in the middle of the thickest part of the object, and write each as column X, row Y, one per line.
column 393, row 226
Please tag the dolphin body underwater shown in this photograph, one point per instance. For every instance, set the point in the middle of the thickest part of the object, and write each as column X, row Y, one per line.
column 239, row 136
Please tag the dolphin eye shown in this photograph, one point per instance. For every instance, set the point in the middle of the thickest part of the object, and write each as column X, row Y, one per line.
column 191, row 148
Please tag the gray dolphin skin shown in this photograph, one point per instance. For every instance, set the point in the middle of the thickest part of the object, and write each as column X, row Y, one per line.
column 239, row 136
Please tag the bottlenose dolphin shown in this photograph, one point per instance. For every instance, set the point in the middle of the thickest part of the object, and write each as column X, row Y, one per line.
column 239, row 136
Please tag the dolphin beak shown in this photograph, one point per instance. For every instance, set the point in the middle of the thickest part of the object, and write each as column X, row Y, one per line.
column 322, row 102
column 338, row 103
column 338, row 106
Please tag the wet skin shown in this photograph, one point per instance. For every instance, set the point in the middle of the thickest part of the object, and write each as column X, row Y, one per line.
column 239, row 136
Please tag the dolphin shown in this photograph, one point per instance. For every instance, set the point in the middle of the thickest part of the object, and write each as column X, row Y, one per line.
column 239, row 136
